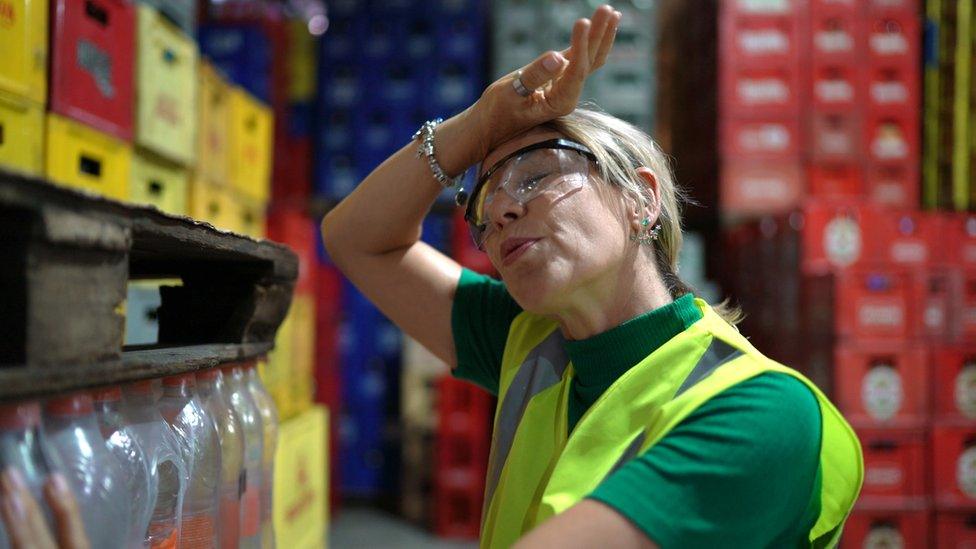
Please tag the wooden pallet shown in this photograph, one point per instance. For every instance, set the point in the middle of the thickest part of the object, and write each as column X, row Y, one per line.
column 67, row 257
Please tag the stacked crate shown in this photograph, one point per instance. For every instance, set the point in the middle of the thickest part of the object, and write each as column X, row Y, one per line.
column 23, row 86
column 384, row 69
column 877, row 307
column 819, row 100
column 624, row 86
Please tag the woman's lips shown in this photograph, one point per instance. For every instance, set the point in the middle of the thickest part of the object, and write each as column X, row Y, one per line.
column 516, row 248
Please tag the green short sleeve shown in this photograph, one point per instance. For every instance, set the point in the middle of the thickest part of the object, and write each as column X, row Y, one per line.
column 741, row 471
column 481, row 316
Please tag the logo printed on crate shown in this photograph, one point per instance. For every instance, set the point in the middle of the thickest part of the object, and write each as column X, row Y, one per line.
column 763, row 90
column 881, row 390
column 8, row 14
column 96, row 62
column 770, row 137
column 834, row 41
column 764, row 42
column 842, row 241
column 880, row 314
column 965, row 390
column 889, row 40
column 764, row 6
column 884, row 536
column 167, row 108
column 888, row 142
column 883, row 475
column 889, row 92
column 837, row 90
column 966, row 472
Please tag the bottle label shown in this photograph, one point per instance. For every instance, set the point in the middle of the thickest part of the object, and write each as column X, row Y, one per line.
column 162, row 535
column 197, row 531
column 252, row 511
column 230, row 521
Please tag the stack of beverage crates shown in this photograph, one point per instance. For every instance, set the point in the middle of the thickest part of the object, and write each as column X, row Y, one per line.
column 839, row 273
column 819, row 99
column 623, row 87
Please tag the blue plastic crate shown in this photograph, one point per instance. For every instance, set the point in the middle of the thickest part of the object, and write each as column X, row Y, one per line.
column 301, row 119
column 341, row 41
column 243, row 53
column 462, row 37
column 336, row 175
column 454, row 8
column 340, row 85
column 397, row 83
column 437, row 231
column 334, row 130
column 455, row 84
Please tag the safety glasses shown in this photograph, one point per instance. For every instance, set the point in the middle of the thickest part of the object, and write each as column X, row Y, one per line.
column 555, row 167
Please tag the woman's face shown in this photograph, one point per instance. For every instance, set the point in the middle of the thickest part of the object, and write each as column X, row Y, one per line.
column 557, row 247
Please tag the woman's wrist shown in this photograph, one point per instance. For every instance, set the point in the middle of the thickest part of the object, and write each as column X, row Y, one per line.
column 459, row 142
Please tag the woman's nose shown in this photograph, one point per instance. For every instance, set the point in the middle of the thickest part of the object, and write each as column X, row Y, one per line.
column 504, row 209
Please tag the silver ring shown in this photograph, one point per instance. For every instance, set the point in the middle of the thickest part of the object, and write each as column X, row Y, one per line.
column 519, row 86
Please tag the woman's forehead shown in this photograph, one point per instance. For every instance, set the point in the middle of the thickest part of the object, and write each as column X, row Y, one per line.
column 531, row 137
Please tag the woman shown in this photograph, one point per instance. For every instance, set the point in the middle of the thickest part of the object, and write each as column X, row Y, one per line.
column 630, row 413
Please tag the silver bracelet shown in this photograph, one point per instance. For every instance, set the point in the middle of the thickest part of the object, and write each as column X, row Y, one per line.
column 426, row 150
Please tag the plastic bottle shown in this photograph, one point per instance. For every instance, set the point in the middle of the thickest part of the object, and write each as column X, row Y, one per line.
column 211, row 388
column 122, row 444
column 243, row 404
column 23, row 447
column 94, row 474
column 269, row 429
column 200, row 447
column 166, row 469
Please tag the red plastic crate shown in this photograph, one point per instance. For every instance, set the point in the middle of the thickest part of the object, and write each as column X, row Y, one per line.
column 966, row 311
column 765, row 91
column 835, row 33
column 904, row 237
column 760, row 40
column 463, row 409
column 835, row 137
column 895, row 467
column 328, row 381
column 463, row 249
column 891, row 6
column 954, row 465
column 874, row 303
column 291, row 226
column 834, row 236
column 903, row 528
column 959, row 239
column 92, row 59
column 759, row 187
column 882, row 384
column 837, row 181
column 891, row 88
column 891, row 137
column 954, row 384
column 894, row 185
column 955, row 530
column 740, row 8
column 934, row 294
column 457, row 505
column 291, row 178
column 835, row 88
column 744, row 138
column 893, row 38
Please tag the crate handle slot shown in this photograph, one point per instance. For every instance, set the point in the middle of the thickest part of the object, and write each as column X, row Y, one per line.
column 96, row 12
column 213, row 207
column 883, row 445
column 169, row 56
column 89, row 165
column 155, row 187
column 1, row 133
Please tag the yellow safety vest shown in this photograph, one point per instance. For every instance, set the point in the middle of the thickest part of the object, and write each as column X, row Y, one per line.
column 535, row 472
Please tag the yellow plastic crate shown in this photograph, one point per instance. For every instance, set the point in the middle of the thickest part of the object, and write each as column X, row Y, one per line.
column 21, row 134
column 166, row 88
column 158, row 182
column 212, row 203
column 251, row 217
column 300, row 503
column 303, row 352
column 212, row 139
column 23, row 33
column 79, row 156
column 250, row 145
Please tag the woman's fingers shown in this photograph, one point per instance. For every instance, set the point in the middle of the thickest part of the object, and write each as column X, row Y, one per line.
column 546, row 67
column 22, row 516
column 602, row 18
column 606, row 44
column 70, row 528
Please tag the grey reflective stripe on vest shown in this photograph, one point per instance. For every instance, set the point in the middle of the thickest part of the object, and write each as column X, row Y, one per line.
column 717, row 354
column 542, row 368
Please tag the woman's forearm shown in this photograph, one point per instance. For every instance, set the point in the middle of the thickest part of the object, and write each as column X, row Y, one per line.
column 385, row 211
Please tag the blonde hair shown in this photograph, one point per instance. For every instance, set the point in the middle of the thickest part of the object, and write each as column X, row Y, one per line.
column 620, row 147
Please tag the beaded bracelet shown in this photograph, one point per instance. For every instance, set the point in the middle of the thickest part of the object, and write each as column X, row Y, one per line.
column 426, row 150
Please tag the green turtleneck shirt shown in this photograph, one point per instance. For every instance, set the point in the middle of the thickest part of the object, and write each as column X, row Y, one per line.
column 743, row 470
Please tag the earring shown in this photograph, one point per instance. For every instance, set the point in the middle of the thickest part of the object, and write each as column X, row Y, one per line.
column 645, row 235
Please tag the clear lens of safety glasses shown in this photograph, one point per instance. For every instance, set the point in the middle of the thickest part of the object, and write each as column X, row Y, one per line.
column 555, row 168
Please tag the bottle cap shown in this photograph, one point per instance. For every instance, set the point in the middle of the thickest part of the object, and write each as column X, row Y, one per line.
column 179, row 380
column 76, row 404
column 210, row 374
column 107, row 394
column 141, row 387
column 20, row 415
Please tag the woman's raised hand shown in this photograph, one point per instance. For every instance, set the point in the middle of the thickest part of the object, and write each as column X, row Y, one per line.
column 555, row 80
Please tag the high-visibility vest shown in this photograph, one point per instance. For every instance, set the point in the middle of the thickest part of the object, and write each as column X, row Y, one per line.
column 535, row 471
